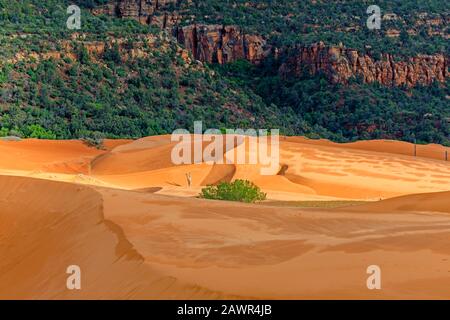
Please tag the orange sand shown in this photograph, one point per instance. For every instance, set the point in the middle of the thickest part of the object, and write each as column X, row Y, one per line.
column 126, row 216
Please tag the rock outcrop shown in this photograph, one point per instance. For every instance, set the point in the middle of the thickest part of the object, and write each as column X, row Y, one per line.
column 207, row 43
column 140, row 10
column 222, row 44
column 341, row 64
column 215, row 43
column 96, row 49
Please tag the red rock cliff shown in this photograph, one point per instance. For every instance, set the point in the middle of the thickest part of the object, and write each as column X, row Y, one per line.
column 222, row 44
column 207, row 43
column 341, row 64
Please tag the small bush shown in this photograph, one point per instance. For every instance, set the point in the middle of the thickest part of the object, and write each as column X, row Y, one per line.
column 38, row 132
column 239, row 190
column 4, row 132
column 94, row 143
column 94, row 140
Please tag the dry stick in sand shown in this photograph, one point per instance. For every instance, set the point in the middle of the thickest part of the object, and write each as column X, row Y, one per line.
column 189, row 179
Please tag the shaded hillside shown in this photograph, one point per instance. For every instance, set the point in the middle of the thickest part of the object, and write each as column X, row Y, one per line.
column 139, row 68
column 119, row 80
column 417, row 26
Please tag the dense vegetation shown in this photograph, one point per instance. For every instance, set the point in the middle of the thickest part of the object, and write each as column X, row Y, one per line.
column 79, row 94
column 354, row 112
column 123, row 98
column 238, row 190
column 288, row 22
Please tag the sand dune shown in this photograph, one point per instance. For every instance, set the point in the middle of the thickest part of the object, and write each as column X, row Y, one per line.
column 47, row 226
column 345, row 172
column 426, row 202
column 230, row 247
column 140, row 245
column 430, row 151
column 309, row 169
column 312, row 169
column 126, row 216
column 47, row 156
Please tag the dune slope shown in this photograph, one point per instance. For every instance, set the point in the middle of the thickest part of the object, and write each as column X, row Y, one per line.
column 308, row 169
column 47, row 226
column 127, row 217
column 266, row 252
column 141, row 245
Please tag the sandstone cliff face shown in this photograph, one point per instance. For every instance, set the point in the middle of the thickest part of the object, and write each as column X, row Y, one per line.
column 140, row 10
column 96, row 49
column 166, row 20
column 222, row 44
column 207, row 43
column 341, row 64
column 225, row 44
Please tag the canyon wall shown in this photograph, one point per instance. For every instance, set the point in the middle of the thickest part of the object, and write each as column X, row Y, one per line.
column 207, row 43
column 224, row 44
column 221, row 44
column 341, row 64
column 140, row 10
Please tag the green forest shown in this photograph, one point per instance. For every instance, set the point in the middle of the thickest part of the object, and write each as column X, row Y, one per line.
column 288, row 22
column 80, row 94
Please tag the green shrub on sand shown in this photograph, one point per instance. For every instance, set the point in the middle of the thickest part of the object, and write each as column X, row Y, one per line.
column 239, row 190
